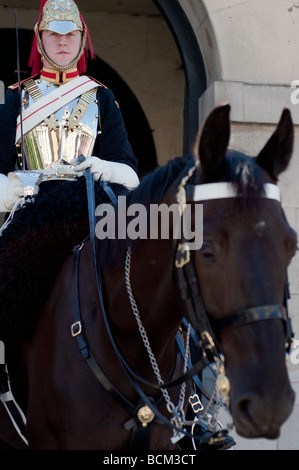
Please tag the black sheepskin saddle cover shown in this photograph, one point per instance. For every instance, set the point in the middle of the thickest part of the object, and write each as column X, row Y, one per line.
column 33, row 248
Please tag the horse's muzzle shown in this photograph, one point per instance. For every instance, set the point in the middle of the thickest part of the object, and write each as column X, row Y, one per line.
column 259, row 418
column 254, row 348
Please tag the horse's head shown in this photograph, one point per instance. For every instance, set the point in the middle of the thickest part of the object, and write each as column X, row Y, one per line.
column 242, row 270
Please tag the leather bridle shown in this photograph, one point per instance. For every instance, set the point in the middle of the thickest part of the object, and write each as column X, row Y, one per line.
column 198, row 316
column 187, row 278
column 195, row 312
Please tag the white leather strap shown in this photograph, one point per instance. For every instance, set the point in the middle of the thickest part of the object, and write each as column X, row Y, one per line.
column 53, row 101
column 204, row 192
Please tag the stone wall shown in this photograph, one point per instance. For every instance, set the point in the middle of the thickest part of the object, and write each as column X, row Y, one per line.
column 249, row 50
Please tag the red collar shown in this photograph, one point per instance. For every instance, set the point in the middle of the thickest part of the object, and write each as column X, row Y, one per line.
column 54, row 76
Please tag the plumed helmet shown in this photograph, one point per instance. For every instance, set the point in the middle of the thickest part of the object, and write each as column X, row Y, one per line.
column 62, row 17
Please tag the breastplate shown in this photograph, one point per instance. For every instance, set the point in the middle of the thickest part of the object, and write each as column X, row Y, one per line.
column 66, row 134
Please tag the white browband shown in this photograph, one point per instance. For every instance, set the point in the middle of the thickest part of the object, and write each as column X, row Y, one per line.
column 203, row 192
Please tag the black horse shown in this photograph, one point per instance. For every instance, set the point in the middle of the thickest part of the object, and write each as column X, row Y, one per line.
column 236, row 290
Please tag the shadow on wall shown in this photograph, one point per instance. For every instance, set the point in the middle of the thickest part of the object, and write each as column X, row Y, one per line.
column 140, row 134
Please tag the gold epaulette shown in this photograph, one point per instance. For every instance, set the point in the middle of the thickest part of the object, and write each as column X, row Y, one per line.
column 13, row 87
column 16, row 85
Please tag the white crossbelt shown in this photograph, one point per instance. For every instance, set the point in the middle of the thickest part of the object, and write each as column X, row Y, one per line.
column 53, row 101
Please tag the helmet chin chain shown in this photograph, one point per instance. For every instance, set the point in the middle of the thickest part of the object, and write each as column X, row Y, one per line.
column 60, row 68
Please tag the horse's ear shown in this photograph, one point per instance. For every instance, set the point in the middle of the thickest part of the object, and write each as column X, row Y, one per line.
column 213, row 140
column 276, row 155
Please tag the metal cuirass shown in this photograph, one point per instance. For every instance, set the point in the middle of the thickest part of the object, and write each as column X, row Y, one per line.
column 66, row 134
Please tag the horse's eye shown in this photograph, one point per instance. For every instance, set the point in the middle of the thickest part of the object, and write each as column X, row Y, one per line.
column 207, row 251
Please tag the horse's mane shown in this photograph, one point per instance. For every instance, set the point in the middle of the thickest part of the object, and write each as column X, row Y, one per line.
column 151, row 190
column 153, row 187
column 243, row 171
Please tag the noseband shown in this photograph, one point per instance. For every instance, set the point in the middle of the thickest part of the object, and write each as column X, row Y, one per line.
column 191, row 295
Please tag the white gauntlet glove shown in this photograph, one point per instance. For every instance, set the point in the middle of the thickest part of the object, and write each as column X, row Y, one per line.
column 11, row 191
column 113, row 172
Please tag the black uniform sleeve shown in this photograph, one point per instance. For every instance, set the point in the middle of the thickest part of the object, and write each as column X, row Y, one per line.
column 113, row 143
column 8, row 121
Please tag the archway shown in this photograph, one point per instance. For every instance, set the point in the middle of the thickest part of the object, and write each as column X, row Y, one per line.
column 196, row 81
column 139, row 132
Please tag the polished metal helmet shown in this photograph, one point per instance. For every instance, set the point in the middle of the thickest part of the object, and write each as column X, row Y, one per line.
column 62, row 17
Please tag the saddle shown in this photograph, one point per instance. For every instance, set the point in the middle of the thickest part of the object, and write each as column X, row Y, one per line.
column 33, row 248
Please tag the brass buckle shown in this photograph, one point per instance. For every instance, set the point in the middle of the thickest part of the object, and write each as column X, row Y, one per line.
column 183, row 255
column 206, row 334
column 76, row 329
column 60, row 171
column 195, row 403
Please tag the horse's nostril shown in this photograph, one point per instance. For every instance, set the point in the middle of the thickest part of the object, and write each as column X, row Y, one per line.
column 243, row 407
column 258, row 417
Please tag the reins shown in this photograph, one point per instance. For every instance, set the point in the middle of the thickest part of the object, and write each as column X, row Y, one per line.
column 140, row 424
column 78, row 333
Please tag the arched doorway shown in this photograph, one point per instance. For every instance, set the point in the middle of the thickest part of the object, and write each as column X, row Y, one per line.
column 196, row 81
column 139, row 132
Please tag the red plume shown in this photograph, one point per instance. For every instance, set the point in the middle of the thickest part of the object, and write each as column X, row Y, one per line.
column 43, row 3
column 82, row 64
column 35, row 58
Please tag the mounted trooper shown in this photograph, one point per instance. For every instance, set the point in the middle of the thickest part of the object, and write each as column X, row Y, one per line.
column 64, row 113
